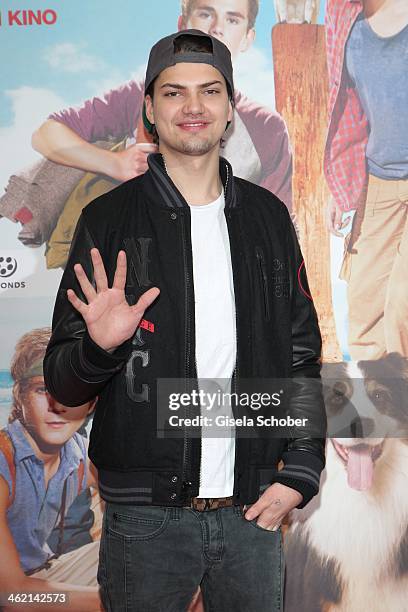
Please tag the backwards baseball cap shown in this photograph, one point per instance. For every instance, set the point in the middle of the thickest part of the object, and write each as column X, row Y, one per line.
column 164, row 54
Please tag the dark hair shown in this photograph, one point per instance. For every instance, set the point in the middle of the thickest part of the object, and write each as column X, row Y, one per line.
column 186, row 43
column 187, row 7
column 150, row 126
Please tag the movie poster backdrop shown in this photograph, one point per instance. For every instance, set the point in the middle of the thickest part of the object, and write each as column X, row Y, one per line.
column 301, row 129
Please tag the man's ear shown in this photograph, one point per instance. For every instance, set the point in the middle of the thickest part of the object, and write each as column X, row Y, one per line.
column 248, row 40
column 149, row 109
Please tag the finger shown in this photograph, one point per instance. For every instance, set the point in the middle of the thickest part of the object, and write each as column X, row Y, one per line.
column 256, row 509
column 147, row 147
column 335, row 225
column 333, row 218
column 99, row 271
column 141, row 168
column 145, row 300
column 346, row 222
column 87, row 288
column 269, row 520
column 78, row 304
column 338, row 218
column 269, row 527
column 331, row 222
column 119, row 280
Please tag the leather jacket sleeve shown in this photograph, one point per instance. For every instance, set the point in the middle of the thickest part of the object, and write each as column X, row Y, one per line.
column 75, row 368
column 304, row 452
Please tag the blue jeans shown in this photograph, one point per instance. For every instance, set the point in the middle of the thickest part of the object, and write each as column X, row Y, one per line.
column 152, row 559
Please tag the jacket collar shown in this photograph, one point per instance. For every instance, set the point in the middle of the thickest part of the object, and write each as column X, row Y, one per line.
column 171, row 196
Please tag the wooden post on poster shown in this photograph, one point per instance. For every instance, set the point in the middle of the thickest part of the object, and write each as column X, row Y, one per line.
column 301, row 91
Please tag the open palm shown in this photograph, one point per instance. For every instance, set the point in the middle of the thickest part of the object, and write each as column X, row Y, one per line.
column 109, row 318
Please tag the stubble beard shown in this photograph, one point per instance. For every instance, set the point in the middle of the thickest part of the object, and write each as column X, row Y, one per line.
column 190, row 144
column 197, row 147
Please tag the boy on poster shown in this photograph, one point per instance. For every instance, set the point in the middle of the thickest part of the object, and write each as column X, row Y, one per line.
column 43, row 468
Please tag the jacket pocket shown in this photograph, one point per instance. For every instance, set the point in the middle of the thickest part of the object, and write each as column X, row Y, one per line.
column 264, row 280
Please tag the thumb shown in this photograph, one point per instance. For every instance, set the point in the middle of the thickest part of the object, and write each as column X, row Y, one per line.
column 146, row 147
column 145, row 300
column 346, row 222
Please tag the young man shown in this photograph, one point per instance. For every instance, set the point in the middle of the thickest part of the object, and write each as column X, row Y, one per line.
column 214, row 261
column 256, row 144
column 366, row 166
column 43, row 468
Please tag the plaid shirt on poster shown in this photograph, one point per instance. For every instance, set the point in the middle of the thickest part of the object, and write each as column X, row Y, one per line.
column 345, row 164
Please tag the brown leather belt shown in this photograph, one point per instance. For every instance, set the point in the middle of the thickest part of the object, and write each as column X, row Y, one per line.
column 202, row 504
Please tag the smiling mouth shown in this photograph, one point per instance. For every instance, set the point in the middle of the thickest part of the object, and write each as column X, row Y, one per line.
column 193, row 126
column 359, row 462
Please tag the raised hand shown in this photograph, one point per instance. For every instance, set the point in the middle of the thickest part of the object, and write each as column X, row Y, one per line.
column 109, row 318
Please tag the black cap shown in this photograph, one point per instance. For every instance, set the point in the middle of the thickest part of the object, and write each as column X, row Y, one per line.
column 162, row 55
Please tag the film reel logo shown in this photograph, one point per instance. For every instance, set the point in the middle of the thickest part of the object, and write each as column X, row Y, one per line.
column 8, row 266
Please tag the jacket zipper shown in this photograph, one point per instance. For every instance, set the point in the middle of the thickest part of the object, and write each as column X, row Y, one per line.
column 187, row 283
column 201, row 437
column 264, row 281
column 235, row 374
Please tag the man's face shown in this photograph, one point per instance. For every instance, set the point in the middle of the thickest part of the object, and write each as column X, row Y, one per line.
column 190, row 108
column 226, row 20
column 48, row 422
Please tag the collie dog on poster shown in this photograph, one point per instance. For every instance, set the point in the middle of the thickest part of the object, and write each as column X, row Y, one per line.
column 347, row 550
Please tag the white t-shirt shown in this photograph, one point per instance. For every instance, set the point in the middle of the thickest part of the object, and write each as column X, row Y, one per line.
column 215, row 335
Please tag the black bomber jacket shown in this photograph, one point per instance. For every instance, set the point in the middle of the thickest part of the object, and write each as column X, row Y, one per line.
column 276, row 327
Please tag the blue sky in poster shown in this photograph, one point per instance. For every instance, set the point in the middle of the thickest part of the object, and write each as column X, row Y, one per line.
column 94, row 45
